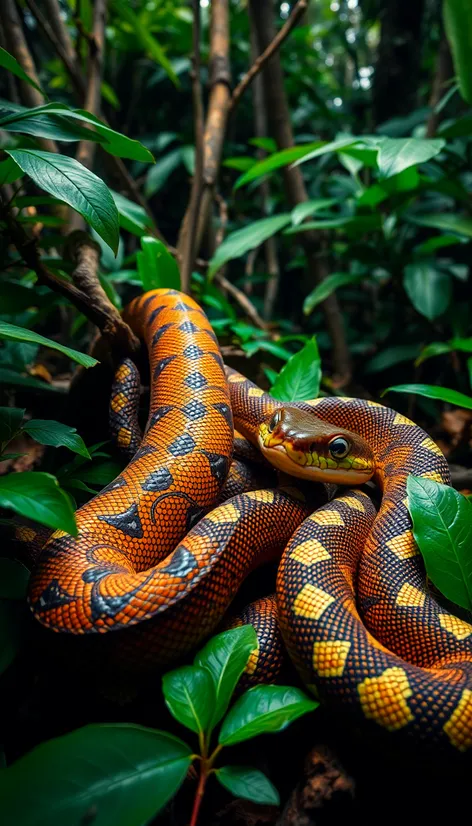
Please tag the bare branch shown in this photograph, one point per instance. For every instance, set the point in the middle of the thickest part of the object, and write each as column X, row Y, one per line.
column 55, row 30
column 242, row 300
column 275, row 44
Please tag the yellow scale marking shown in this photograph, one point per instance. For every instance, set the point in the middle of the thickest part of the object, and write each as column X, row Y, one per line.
column 118, row 402
column 399, row 419
column 384, row 699
column 327, row 517
column 266, row 496
column 432, row 446
column 122, row 372
column 309, row 552
column 459, row 726
column 124, row 437
column 329, row 657
column 433, row 474
column 403, row 545
column 410, row 597
column 255, row 391
column 457, row 627
column 224, row 513
column 353, row 503
column 311, row 602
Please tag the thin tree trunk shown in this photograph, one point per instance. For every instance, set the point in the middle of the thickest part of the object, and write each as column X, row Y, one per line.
column 444, row 72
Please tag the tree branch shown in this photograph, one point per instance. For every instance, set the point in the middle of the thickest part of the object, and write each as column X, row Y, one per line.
column 275, row 44
column 55, row 30
column 86, row 149
column 242, row 300
column 188, row 233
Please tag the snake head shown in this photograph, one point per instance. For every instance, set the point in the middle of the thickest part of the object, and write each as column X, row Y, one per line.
column 299, row 443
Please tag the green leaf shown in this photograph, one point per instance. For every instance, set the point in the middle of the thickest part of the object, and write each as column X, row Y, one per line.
column 241, row 241
column 14, row 579
column 267, row 346
column 159, row 173
column 225, row 657
column 444, row 220
column 41, row 124
column 354, row 224
column 68, row 180
column 299, row 379
column 39, row 497
column 397, row 154
column 156, row 266
column 12, row 333
column 328, row 286
column 301, row 211
column 436, row 348
column 190, row 696
column 9, row 171
column 145, row 38
column 431, row 391
column 428, row 288
column 48, row 432
column 12, row 377
column 248, row 783
column 133, row 218
column 263, row 709
column 275, row 161
column 391, row 356
column 327, row 147
column 241, row 163
column 10, row 423
column 442, row 527
column 8, row 62
column 458, row 24
column 436, row 243
column 108, row 775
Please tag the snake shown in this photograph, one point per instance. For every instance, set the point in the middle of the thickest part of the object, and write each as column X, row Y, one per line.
column 162, row 550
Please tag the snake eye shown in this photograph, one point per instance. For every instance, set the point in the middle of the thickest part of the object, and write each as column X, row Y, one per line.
column 274, row 421
column 339, row 447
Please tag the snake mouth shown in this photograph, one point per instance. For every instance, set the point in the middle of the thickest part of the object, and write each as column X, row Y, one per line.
column 278, row 456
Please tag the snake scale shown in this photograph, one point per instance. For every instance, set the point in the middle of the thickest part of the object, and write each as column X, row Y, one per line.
column 164, row 548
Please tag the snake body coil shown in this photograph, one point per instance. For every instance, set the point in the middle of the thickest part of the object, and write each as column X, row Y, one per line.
column 149, row 562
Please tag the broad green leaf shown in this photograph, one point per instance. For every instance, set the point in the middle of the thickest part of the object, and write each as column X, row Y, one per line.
column 436, row 243
column 9, row 171
column 436, row 348
column 14, row 579
column 108, row 775
column 263, row 709
column 458, row 24
column 267, row 144
column 14, row 378
column 225, row 657
column 459, row 128
column 391, row 356
column 428, row 288
column 275, row 161
column 39, row 497
column 431, row 391
column 145, row 38
column 299, row 379
column 327, row 147
column 8, row 62
column 328, row 286
column 248, row 783
column 397, row 154
column 241, row 163
column 462, row 344
column 302, row 211
column 267, row 346
column 10, row 423
column 190, row 696
column 71, row 182
column 159, row 173
column 444, row 220
column 12, row 333
column 48, row 432
column 156, row 266
column 353, row 224
column 241, row 241
column 43, row 125
column 442, row 527
column 133, row 218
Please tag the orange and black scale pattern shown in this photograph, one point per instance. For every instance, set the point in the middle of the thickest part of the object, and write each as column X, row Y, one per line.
column 124, row 408
column 354, row 608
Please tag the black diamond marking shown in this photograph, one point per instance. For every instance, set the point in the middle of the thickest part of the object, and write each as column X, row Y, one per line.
column 182, row 307
column 196, row 381
column 154, row 314
column 128, row 522
column 119, row 482
column 159, row 414
column 148, row 300
column 182, row 445
column 162, row 364
column 104, row 605
column 217, row 358
column 159, row 480
column 194, row 410
column 193, row 352
column 369, row 602
column 143, row 451
column 52, row 597
column 160, row 332
column 225, row 411
column 181, row 564
column 188, row 327
column 218, row 465
column 194, row 514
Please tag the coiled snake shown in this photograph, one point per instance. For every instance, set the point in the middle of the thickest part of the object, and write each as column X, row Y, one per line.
column 158, row 563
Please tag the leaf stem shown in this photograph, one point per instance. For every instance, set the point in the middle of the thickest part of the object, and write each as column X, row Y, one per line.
column 199, row 794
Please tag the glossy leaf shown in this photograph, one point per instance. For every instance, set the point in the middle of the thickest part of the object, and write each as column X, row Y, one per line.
column 190, row 696
column 48, row 432
column 159, row 173
column 148, row 42
column 431, row 391
column 275, row 161
column 327, row 287
column 299, row 380
column 111, row 775
column 249, row 784
column 445, row 221
column 458, row 24
column 12, row 333
column 436, row 348
column 225, row 657
column 66, row 179
column 14, row 579
column 9, row 171
column 397, row 154
column 241, row 241
column 156, row 266
column 12, row 377
column 301, row 211
column 133, row 217
column 10, row 423
column 391, row 356
column 263, row 709
column 326, row 148
column 442, row 527
column 355, row 224
column 8, row 62
column 428, row 289
column 39, row 497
